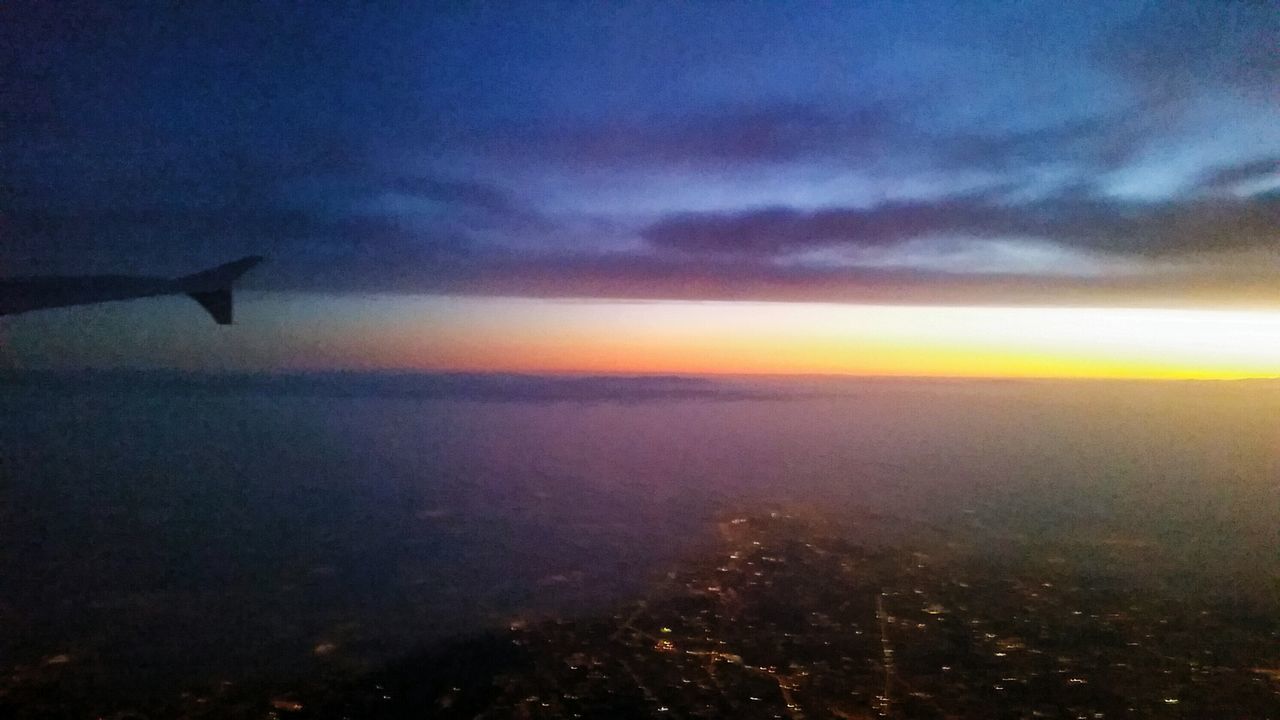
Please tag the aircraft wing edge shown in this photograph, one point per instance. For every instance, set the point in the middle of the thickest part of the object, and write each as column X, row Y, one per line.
column 212, row 288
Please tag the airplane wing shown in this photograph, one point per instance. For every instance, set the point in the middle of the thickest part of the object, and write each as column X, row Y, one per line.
column 211, row 288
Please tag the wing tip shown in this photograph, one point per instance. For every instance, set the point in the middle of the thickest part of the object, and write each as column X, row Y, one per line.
column 212, row 288
column 218, row 304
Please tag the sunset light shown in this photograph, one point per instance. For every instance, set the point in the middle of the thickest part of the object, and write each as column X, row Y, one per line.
column 306, row 332
column 640, row 360
column 800, row 338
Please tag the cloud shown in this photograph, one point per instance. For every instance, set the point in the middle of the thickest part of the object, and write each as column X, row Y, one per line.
column 169, row 240
column 646, row 276
column 889, row 136
column 294, row 206
column 1093, row 144
column 1233, row 176
column 1174, row 51
column 708, row 255
column 470, row 194
column 724, row 137
column 485, row 211
column 361, row 160
column 1182, row 226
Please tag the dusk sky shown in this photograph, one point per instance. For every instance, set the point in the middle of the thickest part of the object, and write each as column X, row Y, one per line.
column 1020, row 189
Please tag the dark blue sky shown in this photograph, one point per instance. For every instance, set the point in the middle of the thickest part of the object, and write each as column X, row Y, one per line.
column 770, row 150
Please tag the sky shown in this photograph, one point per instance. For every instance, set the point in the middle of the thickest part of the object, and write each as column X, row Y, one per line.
column 871, row 188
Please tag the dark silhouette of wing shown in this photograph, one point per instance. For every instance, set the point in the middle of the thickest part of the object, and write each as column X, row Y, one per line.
column 211, row 288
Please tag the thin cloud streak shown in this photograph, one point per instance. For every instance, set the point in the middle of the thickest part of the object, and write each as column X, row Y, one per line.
column 1195, row 225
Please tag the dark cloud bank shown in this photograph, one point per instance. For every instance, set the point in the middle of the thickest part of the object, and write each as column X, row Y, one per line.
column 343, row 149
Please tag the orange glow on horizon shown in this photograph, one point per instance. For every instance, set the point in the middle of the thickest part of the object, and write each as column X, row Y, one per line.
column 739, row 338
column 303, row 331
